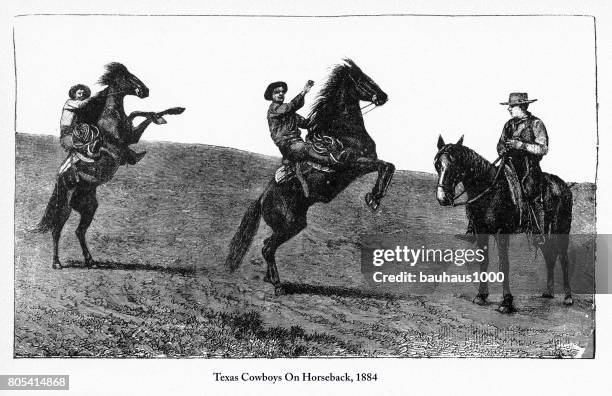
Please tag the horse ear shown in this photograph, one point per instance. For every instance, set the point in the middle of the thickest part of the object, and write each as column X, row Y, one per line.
column 460, row 141
column 440, row 142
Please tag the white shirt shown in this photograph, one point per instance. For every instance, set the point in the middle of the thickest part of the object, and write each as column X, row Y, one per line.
column 68, row 111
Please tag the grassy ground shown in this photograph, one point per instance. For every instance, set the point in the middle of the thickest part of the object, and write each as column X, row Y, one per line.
column 161, row 235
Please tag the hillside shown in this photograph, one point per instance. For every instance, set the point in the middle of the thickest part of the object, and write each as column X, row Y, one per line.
column 161, row 235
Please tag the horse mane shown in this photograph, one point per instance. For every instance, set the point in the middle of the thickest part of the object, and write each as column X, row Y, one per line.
column 323, row 115
column 479, row 166
column 91, row 112
column 114, row 70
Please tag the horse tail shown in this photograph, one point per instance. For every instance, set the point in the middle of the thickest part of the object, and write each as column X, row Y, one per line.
column 561, row 193
column 566, row 203
column 51, row 212
column 244, row 236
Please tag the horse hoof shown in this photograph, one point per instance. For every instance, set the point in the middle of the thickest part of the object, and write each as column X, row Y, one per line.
column 372, row 203
column 91, row 264
column 480, row 300
column 57, row 265
column 506, row 309
column 548, row 295
column 568, row 300
column 279, row 291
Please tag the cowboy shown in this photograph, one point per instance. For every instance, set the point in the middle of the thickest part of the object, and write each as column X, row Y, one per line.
column 80, row 137
column 76, row 136
column 524, row 141
column 284, row 125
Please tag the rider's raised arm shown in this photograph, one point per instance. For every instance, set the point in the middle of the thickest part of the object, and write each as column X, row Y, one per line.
column 294, row 105
column 540, row 144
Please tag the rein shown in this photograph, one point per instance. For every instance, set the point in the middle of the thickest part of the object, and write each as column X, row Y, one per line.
column 362, row 91
column 370, row 109
column 486, row 191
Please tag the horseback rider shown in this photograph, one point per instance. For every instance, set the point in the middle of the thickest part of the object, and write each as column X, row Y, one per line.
column 80, row 137
column 523, row 141
column 76, row 136
column 284, row 125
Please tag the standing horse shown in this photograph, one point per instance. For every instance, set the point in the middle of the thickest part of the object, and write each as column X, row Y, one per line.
column 336, row 115
column 492, row 212
column 105, row 111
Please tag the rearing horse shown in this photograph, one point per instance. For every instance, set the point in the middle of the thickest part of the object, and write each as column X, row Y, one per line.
column 492, row 212
column 284, row 207
column 105, row 110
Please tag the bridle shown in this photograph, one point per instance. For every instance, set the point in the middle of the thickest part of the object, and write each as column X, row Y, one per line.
column 482, row 194
column 363, row 92
column 368, row 105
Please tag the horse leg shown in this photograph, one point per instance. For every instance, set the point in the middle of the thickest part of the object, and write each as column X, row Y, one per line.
column 563, row 246
column 271, row 244
column 507, row 304
column 136, row 132
column 150, row 116
column 549, row 251
column 483, row 289
column 84, row 201
column 62, row 214
column 385, row 174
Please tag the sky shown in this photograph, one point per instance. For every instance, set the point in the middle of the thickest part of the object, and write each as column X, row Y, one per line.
column 443, row 75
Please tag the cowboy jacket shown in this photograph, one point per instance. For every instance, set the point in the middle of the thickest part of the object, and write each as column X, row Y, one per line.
column 284, row 122
column 530, row 131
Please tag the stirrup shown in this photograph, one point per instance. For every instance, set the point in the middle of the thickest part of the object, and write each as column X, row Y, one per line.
column 343, row 156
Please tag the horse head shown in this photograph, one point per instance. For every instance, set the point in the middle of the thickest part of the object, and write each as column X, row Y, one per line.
column 450, row 170
column 336, row 110
column 361, row 86
column 120, row 80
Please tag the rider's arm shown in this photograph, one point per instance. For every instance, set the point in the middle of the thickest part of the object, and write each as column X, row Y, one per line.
column 501, row 144
column 540, row 144
column 291, row 107
column 73, row 104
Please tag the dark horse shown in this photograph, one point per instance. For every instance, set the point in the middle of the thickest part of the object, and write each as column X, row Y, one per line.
column 105, row 110
column 493, row 213
column 336, row 114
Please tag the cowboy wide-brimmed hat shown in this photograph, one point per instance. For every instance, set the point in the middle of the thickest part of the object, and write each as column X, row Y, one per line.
column 272, row 87
column 518, row 98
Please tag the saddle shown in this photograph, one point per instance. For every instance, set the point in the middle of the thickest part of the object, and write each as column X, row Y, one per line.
column 77, row 166
column 322, row 144
column 290, row 170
